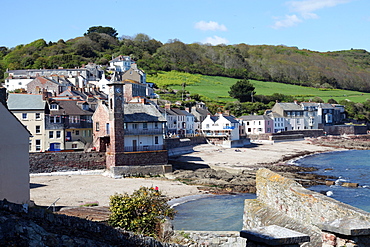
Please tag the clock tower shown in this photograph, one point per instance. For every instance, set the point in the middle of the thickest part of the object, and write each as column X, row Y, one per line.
column 116, row 123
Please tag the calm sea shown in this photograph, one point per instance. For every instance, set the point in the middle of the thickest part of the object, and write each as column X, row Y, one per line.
column 348, row 166
column 225, row 212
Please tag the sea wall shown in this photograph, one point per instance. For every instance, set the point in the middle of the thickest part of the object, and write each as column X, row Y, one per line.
column 283, row 202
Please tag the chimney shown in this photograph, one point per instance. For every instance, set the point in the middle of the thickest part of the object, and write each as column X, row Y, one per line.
column 44, row 94
column 187, row 109
column 3, row 97
column 167, row 106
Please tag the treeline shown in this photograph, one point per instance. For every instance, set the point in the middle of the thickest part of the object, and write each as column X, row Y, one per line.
column 343, row 69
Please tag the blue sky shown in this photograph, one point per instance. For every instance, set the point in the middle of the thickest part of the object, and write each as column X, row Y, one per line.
column 317, row 25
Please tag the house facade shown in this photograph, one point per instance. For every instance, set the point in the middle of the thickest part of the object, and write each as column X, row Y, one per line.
column 221, row 127
column 14, row 159
column 68, row 125
column 31, row 110
column 293, row 115
column 257, row 124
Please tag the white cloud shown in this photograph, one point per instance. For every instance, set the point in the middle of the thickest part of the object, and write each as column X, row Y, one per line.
column 305, row 10
column 215, row 40
column 308, row 6
column 211, row 25
column 289, row 21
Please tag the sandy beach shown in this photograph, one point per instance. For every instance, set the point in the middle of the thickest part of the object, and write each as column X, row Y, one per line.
column 74, row 190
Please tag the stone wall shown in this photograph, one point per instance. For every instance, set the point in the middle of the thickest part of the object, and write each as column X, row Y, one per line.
column 305, row 133
column 23, row 226
column 283, row 202
column 210, row 238
column 346, row 129
column 172, row 143
column 66, row 161
column 73, row 161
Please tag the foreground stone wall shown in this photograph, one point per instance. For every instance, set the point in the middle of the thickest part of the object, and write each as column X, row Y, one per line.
column 210, row 238
column 22, row 226
column 283, row 202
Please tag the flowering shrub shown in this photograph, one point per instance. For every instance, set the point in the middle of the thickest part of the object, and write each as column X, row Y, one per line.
column 142, row 212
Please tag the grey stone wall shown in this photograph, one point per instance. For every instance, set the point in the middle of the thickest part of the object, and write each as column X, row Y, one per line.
column 66, row 161
column 22, row 226
column 210, row 238
column 282, row 201
column 172, row 143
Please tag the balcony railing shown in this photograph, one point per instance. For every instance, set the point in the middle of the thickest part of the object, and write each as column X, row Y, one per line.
column 144, row 148
column 143, row 131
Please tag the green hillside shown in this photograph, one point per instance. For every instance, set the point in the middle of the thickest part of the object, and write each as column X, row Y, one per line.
column 216, row 87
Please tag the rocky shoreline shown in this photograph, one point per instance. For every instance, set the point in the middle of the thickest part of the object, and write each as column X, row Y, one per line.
column 222, row 181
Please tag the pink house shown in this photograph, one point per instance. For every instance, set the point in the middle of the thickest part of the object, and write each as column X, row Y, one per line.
column 257, row 124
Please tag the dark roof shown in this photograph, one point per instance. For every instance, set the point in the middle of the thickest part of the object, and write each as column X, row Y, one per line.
column 69, row 107
column 142, row 113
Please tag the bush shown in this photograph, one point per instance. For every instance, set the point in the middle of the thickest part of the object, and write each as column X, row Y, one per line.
column 142, row 212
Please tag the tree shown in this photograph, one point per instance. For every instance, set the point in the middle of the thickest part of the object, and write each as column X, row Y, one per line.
column 142, row 212
column 242, row 90
column 99, row 29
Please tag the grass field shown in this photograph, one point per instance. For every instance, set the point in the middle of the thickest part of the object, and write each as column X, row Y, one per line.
column 216, row 88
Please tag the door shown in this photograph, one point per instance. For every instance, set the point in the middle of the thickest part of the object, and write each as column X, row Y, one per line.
column 134, row 145
column 69, row 136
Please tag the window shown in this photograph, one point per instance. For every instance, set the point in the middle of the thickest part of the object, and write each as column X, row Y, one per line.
column 37, row 116
column 107, row 130
column 207, row 126
column 24, row 116
column 74, row 119
column 54, row 106
column 74, row 145
column 89, row 133
column 134, row 126
column 97, row 126
column 38, row 129
column 55, row 119
column 38, row 145
column 85, row 107
column 145, row 125
column 58, row 133
column 125, row 126
column 156, row 140
column 51, row 134
column 77, row 132
column 156, row 125
column 30, row 145
column 56, row 145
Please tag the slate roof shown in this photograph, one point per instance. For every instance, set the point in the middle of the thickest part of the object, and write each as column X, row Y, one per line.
column 25, row 102
column 326, row 106
column 231, row 119
column 255, row 117
column 142, row 113
column 290, row 106
column 69, row 107
column 274, row 115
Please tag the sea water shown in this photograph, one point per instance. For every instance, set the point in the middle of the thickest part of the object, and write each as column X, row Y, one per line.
column 225, row 212
column 211, row 212
column 347, row 166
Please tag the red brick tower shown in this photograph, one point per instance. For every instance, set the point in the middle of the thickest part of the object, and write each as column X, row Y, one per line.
column 115, row 150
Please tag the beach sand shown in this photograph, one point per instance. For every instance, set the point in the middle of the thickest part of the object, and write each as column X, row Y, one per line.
column 74, row 190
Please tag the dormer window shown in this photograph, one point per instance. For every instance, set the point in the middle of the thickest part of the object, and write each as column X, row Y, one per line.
column 85, row 107
column 54, row 106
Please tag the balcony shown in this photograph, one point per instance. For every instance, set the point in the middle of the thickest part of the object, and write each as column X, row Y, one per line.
column 158, row 131
column 144, row 148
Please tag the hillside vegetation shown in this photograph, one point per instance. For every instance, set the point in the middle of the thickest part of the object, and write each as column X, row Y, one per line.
column 342, row 69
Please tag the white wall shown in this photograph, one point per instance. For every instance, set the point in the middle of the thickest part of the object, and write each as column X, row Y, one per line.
column 14, row 159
